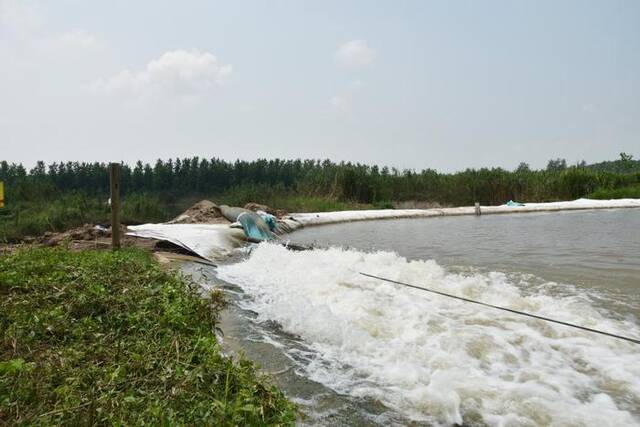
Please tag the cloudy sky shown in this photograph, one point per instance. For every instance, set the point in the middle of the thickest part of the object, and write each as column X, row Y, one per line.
column 411, row 84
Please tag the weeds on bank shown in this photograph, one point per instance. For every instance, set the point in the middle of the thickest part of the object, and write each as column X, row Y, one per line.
column 631, row 192
column 33, row 218
column 110, row 338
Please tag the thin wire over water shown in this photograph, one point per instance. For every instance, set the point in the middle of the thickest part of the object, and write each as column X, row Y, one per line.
column 522, row 313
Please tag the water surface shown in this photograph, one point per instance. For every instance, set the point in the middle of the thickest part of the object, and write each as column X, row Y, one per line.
column 598, row 249
column 354, row 350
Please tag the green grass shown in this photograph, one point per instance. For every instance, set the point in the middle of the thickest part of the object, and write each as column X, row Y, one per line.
column 34, row 218
column 98, row 337
column 631, row 192
column 72, row 210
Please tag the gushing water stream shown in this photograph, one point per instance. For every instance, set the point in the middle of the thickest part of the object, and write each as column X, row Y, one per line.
column 355, row 350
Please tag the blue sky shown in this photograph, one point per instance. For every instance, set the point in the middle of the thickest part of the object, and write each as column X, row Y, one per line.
column 421, row 84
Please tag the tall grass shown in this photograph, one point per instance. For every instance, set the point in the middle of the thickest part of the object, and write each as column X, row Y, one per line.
column 631, row 192
column 109, row 338
column 32, row 218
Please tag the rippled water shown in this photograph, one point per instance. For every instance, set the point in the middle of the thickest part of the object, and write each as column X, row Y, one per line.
column 356, row 350
column 595, row 249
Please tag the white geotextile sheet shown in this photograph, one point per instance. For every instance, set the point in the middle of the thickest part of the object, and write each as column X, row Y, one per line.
column 309, row 219
column 210, row 241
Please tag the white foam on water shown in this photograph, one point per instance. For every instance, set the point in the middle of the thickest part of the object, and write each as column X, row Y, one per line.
column 441, row 360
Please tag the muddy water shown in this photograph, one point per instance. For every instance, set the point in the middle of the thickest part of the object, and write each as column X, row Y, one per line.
column 352, row 350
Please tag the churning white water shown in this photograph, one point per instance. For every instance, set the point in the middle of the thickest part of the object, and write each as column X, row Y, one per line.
column 444, row 361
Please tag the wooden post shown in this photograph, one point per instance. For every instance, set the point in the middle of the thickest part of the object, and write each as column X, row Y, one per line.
column 478, row 213
column 114, row 180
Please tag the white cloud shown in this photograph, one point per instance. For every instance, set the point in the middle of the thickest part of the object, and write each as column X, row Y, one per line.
column 355, row 53
column 78, row 37
column 177, row 73
column 340, row 103
column 25, row 39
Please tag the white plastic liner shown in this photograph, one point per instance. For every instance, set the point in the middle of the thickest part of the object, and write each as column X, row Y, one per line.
column 210, row 241
column 295, row 221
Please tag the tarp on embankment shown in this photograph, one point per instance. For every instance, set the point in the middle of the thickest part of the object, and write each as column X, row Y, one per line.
column 210, row 241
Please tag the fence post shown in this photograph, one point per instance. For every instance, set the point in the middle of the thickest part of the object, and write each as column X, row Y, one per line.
column 114, row 182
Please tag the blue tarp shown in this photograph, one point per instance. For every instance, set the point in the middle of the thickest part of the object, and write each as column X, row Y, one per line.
column 255, row 228
column 269, row 219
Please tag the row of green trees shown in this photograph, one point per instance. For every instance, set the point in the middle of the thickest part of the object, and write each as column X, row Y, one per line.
column 353, row 182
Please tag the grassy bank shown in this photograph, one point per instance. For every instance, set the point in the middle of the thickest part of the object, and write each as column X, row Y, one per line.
column 110, row 338
column 631, row 192
column 34, row 217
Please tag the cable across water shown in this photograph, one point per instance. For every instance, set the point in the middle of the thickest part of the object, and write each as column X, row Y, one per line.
column 584, row 328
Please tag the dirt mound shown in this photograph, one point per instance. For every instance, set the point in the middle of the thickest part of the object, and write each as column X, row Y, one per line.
column 278, row 213
column 207, row 212
column 85, row 232
column 203, row 212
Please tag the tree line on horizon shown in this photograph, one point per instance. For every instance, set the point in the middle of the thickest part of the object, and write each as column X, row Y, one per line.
column 345, row 181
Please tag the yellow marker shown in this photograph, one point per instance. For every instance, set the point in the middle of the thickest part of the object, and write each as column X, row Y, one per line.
column 1, row 194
